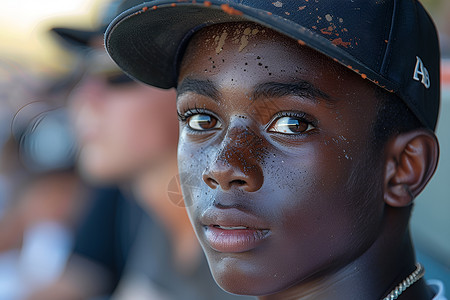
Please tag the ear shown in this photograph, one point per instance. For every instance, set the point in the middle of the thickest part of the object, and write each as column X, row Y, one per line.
column 411, row 159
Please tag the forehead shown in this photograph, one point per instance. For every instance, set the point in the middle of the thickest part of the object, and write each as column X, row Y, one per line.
column 240, row 37
column 250, row 51
column 239, row 40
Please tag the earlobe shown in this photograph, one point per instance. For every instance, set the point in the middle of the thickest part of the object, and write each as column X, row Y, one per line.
column 411, row 159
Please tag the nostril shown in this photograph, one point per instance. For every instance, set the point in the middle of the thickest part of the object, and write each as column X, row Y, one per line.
column 212, row 183
column 227, row 177
column 239, row 182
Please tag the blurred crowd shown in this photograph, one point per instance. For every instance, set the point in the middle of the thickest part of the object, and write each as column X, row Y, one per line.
column 88, row 161
column 89, row 199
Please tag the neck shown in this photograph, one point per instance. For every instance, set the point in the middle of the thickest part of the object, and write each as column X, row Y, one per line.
column 388, row 261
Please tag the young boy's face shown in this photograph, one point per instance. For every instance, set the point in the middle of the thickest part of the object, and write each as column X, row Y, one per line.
column 275, row 155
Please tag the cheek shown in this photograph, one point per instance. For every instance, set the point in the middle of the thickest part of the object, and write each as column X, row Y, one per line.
column 325, row 209
column 192, row 162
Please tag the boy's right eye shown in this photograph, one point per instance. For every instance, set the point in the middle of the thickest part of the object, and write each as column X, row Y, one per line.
column 203, row 122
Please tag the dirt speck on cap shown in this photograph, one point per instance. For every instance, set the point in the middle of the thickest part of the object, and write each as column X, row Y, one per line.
column 230, row 10
column 340, row 42
column 325, row 31
column 278, row 4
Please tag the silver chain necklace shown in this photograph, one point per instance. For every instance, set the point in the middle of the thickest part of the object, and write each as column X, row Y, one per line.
column 406, row 283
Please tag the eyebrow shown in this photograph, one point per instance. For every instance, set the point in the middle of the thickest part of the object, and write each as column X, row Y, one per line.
column 202, row 87
column 299, row 88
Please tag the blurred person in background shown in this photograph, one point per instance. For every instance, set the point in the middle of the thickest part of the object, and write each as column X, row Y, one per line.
column 128, row 133
column 41, row 192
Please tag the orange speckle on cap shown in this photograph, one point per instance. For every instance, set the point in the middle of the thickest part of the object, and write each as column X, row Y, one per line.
column 350, row 67
column 145, row 8
column 325, row 31
column 173, row 4
column 314, row 27
column 386, row 41
column 154, row 7
column 302, row 7
column 364, row 76
column 207, row 3
column 340, row 42
column 269, row 13
column 230, row 10
column 301, row 42
column 356, row 70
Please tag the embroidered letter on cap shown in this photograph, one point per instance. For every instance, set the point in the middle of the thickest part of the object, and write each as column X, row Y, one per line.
column 422, row 71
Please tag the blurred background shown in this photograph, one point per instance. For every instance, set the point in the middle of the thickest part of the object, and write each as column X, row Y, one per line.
column 31, row 61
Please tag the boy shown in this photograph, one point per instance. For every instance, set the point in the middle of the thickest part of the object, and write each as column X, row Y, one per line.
column 306, row 132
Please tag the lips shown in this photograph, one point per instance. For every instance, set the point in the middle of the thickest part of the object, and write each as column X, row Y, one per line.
column 232, row 230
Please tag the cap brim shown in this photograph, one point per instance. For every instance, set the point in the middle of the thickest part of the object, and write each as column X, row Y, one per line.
column 146, row 41
column 77, row 39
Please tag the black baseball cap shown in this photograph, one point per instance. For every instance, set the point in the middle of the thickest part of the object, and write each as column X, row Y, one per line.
column 392, row 43
column 80, row 39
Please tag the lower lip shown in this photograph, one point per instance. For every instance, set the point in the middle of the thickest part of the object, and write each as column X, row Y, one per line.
column 234, row 240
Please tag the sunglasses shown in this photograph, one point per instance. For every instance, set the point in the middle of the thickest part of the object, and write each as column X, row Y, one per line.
column 100, row 65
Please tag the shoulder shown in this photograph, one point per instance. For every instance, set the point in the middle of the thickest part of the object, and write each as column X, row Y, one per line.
column 438, row 288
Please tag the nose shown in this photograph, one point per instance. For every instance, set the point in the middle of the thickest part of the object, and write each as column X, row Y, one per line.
column 237, row 163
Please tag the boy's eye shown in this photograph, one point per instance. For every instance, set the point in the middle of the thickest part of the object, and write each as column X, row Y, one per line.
column 290, row 125
column 203, row 122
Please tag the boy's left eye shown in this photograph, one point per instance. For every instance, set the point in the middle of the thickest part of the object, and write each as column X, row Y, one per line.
column 202, row 122
column 290, row 125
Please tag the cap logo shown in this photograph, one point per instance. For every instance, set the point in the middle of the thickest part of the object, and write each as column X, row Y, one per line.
column 420, row 70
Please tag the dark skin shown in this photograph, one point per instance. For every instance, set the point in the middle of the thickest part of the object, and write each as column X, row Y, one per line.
column 286, row 195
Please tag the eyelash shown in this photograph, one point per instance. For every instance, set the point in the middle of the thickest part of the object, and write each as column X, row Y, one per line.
column 299, row 115
column 189, row 112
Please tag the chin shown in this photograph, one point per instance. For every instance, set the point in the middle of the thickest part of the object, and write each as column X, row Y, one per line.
column 238, row 277
column 96, row 174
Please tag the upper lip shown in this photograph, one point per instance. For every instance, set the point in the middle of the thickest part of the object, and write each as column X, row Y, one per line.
column 231, row 217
